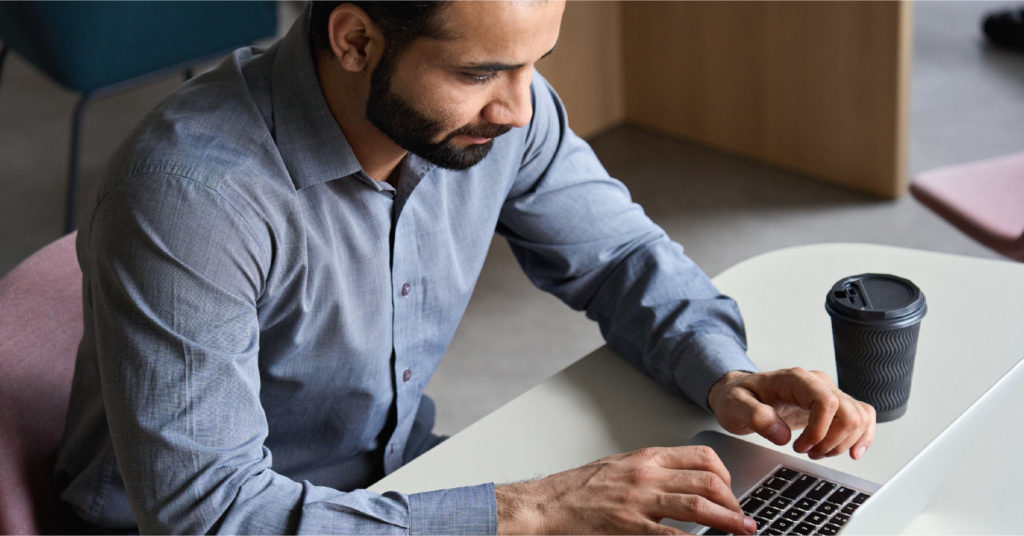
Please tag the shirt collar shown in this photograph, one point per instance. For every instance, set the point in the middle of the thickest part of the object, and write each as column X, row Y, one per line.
column 310, row 141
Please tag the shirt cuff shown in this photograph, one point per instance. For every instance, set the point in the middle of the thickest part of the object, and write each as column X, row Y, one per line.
column 705, row 360
column 468, row 510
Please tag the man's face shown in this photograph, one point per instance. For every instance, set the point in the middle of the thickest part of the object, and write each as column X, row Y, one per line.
column 446, row 100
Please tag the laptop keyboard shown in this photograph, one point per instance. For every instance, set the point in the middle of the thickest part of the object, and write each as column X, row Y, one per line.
column 793, row 502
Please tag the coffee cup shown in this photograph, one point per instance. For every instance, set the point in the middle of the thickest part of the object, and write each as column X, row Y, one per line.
column 876, row 319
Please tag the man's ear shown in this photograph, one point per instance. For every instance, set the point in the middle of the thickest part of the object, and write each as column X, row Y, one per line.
column 355, row 40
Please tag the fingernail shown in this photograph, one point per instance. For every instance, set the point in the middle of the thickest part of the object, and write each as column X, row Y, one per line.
column 859, row 451
column 777, row 433
column 749, row 524
column 815, row 456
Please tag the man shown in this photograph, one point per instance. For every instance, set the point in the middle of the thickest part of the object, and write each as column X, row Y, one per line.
column 280, row 254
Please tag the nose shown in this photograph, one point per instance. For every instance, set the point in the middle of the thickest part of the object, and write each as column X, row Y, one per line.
column 511, row 103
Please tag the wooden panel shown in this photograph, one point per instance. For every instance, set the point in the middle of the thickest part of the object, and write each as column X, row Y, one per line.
column 586, row 68
column 818, row 87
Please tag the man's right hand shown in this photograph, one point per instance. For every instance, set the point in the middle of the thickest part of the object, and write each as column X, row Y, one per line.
column 626, row 493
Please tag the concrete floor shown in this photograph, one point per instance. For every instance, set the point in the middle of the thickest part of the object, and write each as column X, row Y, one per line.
column 967, row 104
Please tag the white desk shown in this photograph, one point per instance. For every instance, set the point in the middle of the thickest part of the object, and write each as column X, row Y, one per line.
column 972, row 334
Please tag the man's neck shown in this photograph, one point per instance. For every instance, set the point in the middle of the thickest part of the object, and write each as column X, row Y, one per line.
column 346, row 96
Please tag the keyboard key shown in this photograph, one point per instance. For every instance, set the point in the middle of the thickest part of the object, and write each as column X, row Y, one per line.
column 786, row 473
column 751, row 505
column 762, row 522
column 768, row 512
column 826, row 508
column 850, row 508
column 793, row 514
column 782, row 524
column 829, row 530
column 763, row 493
column 770, row 532
column 860, row 498
column 806, row 504
column 840, row 519
column 799, row 486
column 816, row 518
column 820, row 490
column 777, row 483
column 780, row 502
column 804, row 529
column 715, row 532
column 841, row 495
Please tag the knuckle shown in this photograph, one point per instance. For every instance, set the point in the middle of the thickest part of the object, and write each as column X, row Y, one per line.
column 695, row 504
column 641, row 477
column 705, row 456
column 830, row 402
column 648, row 454
column 709, row 484
column 763, row 414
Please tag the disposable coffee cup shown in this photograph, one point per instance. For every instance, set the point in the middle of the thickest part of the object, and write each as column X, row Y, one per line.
column 875, row 322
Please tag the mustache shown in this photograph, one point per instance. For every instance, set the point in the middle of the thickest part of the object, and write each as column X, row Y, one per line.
column 480, row 131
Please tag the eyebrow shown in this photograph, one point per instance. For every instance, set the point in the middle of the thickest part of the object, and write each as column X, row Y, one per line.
column 491, row 66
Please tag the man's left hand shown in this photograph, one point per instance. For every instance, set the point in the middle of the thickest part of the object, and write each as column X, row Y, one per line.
column 773, row 403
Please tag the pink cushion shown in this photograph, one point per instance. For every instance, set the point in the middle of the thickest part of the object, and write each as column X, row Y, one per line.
column 40, row 327
column 983, row 199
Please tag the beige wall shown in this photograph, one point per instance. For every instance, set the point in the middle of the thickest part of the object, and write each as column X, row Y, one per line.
column 586, row 67
column 817, row 87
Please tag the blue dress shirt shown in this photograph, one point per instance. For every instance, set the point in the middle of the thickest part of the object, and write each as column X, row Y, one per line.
column 261, row 317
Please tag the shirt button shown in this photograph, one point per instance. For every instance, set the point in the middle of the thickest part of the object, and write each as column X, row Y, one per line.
column 406, row 288
column 407, row 375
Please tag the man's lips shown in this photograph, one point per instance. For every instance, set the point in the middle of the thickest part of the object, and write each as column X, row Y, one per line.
column 473, row 139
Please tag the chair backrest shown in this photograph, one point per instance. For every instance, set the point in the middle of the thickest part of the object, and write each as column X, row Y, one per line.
column 86, row 46
column 40, row 328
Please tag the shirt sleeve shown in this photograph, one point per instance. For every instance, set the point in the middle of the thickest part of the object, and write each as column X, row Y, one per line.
column 173, row 275
column 578, row 235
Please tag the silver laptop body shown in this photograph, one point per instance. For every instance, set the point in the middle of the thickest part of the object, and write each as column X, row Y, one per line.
column 891, row 506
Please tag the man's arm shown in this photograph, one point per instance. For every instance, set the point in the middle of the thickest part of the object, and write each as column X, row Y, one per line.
column 578, row 235
column 174, row 274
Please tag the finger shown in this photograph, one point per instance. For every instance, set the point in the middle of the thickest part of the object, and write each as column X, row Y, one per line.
column 807, row 390
column 650, row 527
column 746, row 413
column 706, row 512
column 865, row 441
column 690, row 457
column 703, row 483
column 847, row 427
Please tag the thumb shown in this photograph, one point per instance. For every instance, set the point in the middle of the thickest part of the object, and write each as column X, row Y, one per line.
column 758, row 417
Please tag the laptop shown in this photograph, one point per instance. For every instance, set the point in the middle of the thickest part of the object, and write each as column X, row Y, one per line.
column 790, row 495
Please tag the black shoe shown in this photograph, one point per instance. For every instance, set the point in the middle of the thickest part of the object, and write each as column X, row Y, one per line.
column 1005, row 28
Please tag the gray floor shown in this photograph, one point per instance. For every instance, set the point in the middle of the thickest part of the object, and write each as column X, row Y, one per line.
column 968, row 104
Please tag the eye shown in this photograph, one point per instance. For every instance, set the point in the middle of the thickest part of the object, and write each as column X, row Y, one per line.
column 477, row 78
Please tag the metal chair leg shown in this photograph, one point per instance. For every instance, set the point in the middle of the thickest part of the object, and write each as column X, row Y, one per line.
column 69, row 202
column 3, row 55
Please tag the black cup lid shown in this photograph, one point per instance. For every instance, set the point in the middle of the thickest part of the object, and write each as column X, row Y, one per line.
column 876, row 299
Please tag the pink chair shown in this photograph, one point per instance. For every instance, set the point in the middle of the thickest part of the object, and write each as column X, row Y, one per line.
column 983, row 199
column 40, row 327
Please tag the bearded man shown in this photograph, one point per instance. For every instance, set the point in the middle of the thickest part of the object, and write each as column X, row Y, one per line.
column 279, row 255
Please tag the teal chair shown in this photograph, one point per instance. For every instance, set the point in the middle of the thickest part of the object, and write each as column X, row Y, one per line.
column 99, row 48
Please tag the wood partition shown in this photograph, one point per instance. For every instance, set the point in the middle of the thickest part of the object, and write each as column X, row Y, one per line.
column 821, row 88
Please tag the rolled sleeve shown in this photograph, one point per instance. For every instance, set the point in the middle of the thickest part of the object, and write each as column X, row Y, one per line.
column 467, row 510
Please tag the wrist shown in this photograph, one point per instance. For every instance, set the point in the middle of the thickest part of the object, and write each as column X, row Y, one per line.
column 516, row 514
column 723, row 384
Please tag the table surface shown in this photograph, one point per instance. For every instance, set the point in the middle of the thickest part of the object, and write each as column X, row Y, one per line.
column 598, row 406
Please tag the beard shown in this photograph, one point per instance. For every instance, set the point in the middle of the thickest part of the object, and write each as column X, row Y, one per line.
column 413, row 130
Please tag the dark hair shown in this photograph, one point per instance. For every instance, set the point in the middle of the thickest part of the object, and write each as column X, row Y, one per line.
column 400, row 22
